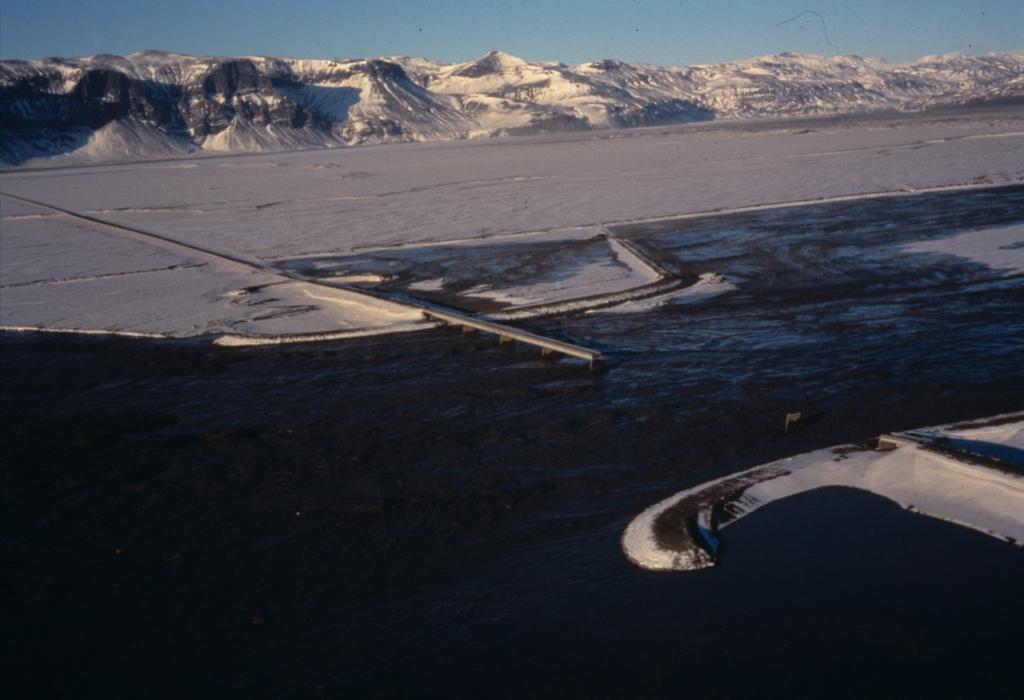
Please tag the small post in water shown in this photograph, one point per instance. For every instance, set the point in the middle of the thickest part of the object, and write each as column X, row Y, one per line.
column 790, row 419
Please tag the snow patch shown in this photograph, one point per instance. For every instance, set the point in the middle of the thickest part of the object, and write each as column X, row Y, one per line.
column 435, row 285
column 368, row 278
column 1000, row 248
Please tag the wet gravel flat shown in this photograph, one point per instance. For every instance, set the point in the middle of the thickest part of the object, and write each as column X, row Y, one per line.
column 433, row 514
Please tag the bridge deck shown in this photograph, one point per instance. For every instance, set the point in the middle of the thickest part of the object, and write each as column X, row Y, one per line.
column 547, row 345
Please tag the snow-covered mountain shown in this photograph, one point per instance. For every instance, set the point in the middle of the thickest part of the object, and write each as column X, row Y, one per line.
column 153, row 104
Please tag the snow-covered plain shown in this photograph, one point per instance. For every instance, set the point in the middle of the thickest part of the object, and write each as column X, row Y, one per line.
column 58, row 272
column 679, row 533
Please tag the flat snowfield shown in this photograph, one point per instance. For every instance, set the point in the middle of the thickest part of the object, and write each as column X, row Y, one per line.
column 225, row 226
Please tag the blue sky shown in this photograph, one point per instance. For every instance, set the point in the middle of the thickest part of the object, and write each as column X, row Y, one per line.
column 667, row 32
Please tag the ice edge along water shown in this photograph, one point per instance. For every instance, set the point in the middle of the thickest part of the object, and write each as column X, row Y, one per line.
column 680, row 533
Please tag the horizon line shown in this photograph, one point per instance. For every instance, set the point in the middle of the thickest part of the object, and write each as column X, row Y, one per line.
column 350, row 59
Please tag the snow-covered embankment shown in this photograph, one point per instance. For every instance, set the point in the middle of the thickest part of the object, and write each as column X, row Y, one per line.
column 972, row 475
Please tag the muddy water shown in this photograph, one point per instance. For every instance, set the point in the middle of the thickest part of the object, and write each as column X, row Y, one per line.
column 432, row 514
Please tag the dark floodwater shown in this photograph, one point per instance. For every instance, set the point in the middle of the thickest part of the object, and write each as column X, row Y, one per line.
column 430, row 514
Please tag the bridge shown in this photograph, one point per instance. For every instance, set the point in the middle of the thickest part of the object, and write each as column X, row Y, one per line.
column 508, row 333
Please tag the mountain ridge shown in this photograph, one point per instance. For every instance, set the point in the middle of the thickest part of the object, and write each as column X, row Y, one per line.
column 161, row 102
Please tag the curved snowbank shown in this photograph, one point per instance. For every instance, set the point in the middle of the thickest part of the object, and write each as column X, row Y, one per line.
column 647, row 279
column 929, row 472
column 623, row 272
column 708, row 285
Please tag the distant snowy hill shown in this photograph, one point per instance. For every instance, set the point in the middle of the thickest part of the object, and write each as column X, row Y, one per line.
column 156, row 104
